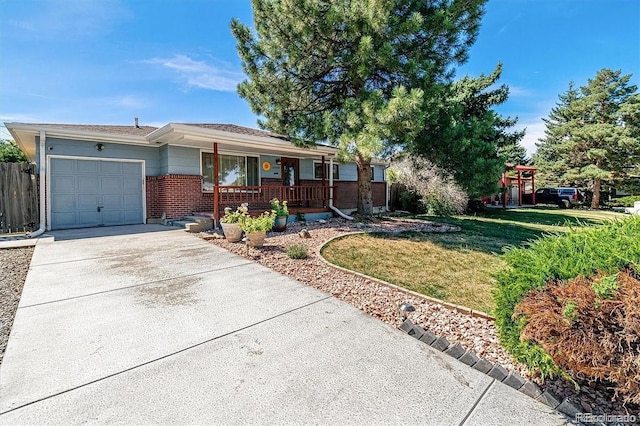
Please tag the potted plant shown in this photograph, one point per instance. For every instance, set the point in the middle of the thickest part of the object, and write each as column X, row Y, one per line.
column 255, row 228
column 232, row 221
column 282, row 214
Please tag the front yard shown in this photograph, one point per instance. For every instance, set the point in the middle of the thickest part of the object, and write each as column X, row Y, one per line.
column 455, row 267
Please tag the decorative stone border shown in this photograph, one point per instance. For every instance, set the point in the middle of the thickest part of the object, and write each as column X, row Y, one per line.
column 495, row 371
column 451, row 306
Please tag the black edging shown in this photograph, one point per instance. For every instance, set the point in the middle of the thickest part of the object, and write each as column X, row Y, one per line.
column 495, row 371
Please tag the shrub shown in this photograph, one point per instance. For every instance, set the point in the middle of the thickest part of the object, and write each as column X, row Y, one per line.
column 608, row 248
column 590, row 327
column 297, row 251
column 475, row 206
column 434, row 187
column 412, row 202
column 625, row 201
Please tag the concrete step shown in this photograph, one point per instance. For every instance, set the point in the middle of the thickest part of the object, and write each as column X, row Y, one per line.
column 192, row 223
column 187, row 225
column 205, row 223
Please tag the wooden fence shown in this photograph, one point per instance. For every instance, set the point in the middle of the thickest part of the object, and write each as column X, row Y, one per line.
column 18, row 198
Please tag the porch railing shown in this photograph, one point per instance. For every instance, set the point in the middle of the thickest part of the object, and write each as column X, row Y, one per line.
column 256, row 196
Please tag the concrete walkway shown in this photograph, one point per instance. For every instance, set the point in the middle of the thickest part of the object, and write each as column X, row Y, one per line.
column 145, row 324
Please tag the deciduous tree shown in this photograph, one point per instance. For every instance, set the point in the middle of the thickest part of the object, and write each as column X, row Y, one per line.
column 10, row 152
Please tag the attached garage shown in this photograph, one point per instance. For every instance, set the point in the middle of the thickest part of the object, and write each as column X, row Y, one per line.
column 86, row 192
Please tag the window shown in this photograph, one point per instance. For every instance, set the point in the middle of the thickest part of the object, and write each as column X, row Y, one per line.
column 233, row 170
column 373, row 173
column 317, row 171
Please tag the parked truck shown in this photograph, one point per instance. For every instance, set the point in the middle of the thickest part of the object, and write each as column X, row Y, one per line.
column 562, row 197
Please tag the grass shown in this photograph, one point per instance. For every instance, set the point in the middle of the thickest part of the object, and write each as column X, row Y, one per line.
column 456, row 267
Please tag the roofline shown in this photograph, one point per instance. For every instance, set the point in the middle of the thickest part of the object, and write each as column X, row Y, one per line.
column 238, row 138
column 22, row 146
column 73, row 134
column 194, row 132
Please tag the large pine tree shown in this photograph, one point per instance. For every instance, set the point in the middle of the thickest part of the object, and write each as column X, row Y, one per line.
column 592, row 134
column 468, row 137
column 359, row 74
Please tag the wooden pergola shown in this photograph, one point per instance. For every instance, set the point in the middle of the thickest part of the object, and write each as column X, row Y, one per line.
column 521, row 180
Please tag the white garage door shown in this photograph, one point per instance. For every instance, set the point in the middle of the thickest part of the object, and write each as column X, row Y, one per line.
column 86, row 193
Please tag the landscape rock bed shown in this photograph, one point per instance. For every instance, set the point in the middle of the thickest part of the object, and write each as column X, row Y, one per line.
column 381, row 301
column 14, row 265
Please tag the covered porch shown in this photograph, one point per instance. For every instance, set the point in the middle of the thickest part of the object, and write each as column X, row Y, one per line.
column 253, row 168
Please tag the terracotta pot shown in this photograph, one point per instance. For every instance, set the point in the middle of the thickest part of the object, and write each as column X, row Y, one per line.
column 256, row 239
column 280, row 224
column 232, row 232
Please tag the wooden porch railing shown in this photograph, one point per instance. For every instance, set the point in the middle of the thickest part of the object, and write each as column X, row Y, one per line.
column 257, row 196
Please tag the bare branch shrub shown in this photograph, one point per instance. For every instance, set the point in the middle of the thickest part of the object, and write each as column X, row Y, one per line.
column 440, row 194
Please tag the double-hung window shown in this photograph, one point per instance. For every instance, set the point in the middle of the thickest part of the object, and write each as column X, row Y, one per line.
column 233, row 170
column 317, row 171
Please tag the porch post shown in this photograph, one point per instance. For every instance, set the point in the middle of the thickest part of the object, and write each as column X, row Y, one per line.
column 533, row 187
column 519, row 189
column 504, row 190
column 216, row 192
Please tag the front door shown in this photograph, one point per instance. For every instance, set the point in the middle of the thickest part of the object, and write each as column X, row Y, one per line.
column 290, row 169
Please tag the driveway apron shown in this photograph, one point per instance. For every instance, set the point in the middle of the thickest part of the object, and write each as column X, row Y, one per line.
column 148, row 324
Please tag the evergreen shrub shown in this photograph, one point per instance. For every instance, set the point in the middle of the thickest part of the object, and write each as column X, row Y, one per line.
column 584, row 251
column 297, row 251
column 625, row 201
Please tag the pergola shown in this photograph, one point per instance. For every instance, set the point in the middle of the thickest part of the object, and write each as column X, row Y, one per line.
column 520, row 182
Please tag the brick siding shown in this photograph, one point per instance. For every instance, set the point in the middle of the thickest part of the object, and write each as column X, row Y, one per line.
column 181, row 195
column 346, row 196
column 176, row 196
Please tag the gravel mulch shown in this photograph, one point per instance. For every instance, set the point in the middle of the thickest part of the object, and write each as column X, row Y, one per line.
column 14, row 264
column 380, row 301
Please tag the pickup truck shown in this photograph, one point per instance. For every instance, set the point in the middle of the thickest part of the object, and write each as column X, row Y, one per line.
column 562, row 197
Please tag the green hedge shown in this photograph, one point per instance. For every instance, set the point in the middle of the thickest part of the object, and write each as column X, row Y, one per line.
column 582, row 251
column 625, row 201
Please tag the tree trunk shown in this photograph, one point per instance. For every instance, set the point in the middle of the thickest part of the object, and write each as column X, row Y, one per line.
column 365, row 201
column 595, row 200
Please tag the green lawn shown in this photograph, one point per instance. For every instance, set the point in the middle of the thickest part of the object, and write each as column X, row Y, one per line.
column 455, row 267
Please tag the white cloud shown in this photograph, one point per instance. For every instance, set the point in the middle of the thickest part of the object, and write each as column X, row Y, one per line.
column 518, row 91
column 201, row 74
column 534, row 131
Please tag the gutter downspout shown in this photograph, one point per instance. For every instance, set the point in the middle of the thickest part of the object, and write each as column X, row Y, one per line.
column 331, row 206
column 42, row 171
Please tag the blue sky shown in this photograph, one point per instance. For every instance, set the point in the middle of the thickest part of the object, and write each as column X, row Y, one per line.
column 106, row 62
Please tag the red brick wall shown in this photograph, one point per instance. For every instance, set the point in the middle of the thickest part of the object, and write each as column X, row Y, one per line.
column 346, row 194
column 176, row 196
column 181, row 195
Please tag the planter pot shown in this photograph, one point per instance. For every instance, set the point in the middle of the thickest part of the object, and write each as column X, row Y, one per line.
column 280, row 224
column 232, row 232
column 256, row 239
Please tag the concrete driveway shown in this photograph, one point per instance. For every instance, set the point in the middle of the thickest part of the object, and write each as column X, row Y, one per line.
column 146, row 324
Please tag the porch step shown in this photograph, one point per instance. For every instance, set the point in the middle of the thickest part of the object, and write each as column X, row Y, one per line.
column 193, row 223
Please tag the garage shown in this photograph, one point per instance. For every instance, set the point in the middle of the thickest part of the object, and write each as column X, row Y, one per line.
column 91, row 192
